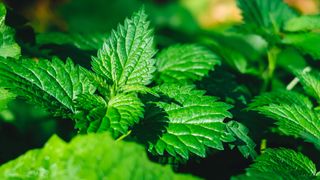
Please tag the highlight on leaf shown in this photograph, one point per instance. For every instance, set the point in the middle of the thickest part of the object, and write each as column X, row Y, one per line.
column 280, row 164
column 126, row 57
column 184, row 63
column 293, row 112
column 183, row 122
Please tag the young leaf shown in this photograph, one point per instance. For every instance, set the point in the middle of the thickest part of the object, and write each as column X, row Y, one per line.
column 266, row 14
column 293, row 113
column 8, row 46
column 126, row 57
column 303, row 23
column 94, row 156
column 307, row 43
column 184, row 121
column 185, row 63
column 124, row 110
column 118, row 115
column 280, row 164
column 53, row 85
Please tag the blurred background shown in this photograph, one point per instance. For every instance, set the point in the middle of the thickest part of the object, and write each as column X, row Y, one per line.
column 23, row 127
column 84, row 15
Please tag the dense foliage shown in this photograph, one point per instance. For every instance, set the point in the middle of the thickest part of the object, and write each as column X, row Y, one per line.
column 143, row 105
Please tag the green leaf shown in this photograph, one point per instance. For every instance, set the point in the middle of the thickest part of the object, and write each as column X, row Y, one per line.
column 8, row 46
column 310, row 82
column 124, row 110
column 94, row 156
column 266, row 14
column 51, row 84
column 5, row 98
column 293, row 114
column 184, row 121
column 303, row 23
column 244, row 143
column 307, row 43
column 126, row 57
column 280, row 164
column 117, row 116
column 81, row 41
column 185, row 63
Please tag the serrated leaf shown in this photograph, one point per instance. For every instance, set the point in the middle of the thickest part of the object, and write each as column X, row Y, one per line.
column 185, row 63
column 310, row 82
column 117, row 116
column 280, row 97
column 126, row 57
column 124, row 110
column 51, row 84
column 81, row 41
column 184, row 122
column 293, row 114
column 8, row 46
column 303, row 23
column 266, row 14
column 280, row 164
column 244, row 143
column 307, row 43
column 94, row 156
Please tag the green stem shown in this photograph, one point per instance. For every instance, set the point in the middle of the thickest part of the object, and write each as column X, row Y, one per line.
column 124, row 136
column 272, row 62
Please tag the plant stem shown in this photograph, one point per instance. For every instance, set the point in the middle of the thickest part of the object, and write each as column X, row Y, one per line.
column 123, row 136
column 295, row 81
column 272, row 61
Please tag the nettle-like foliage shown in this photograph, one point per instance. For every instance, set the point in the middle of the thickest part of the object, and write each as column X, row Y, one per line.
column 294, row 113
column 170, row 117
column 280, row 164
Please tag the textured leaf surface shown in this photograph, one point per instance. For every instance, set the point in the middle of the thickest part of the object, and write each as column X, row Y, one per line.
column 117, row 116
column 185, row 63
column 95, row 156
column 280, row 164
column 311, row 82
column 8, row 46
column 81, row 41
column 244, row 143
column 54, row 85
column 184, row 121
column 267, row 14
column 293, row 114
column 303, row 23
column 124, row 110
column 126, row 57
column 307, row 43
